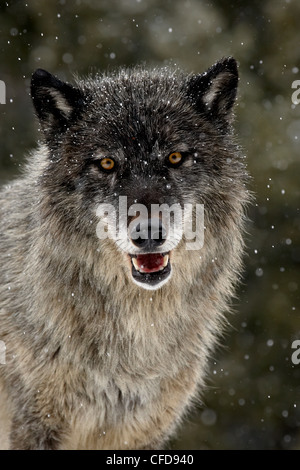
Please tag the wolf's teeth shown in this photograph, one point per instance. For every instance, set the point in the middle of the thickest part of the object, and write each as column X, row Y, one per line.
column 135, row 263
column 166, row 260
column 140, row 268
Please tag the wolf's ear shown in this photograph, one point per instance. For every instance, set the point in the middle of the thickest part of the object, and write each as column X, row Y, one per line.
column 57, row 104
column 213, row 92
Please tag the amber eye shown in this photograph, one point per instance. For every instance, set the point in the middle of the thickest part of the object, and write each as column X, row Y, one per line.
column 175, row 158
column 107, row 163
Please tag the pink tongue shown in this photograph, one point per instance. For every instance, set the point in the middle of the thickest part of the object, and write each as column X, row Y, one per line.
column 150, row 263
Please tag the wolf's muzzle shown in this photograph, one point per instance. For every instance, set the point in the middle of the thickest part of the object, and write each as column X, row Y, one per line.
column 150, row 267
column 148, row 234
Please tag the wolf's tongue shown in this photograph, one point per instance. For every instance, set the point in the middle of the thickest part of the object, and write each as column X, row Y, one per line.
column 150, row 263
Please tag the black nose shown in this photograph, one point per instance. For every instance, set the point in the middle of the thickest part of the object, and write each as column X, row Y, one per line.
column 148, row 233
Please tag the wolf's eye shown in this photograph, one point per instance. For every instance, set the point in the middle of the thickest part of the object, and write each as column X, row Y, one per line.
column 175, row 158
column 107, row 163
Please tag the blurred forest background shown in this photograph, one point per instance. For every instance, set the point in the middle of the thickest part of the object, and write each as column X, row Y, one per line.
column 253, row 395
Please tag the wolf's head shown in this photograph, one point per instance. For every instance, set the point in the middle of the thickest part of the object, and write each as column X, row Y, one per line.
column 140, row 152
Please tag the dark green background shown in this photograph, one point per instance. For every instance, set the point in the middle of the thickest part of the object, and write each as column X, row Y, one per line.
column 252, row 400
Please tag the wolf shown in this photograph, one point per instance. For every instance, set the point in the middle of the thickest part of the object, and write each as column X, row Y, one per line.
column 108, row 338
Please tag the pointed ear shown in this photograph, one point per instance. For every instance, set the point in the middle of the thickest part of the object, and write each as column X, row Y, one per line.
column 57, row 104
column 213, row 92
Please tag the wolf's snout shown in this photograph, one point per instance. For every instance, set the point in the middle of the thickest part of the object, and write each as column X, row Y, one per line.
column 150, row 267
column 148, row 233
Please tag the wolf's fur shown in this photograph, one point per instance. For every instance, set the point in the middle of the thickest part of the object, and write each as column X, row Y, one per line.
column 93, row 360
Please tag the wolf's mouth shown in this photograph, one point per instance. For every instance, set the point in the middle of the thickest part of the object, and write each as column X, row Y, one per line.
column 151, row 268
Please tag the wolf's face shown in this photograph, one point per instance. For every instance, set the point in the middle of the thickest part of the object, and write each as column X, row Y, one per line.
column 139, row 150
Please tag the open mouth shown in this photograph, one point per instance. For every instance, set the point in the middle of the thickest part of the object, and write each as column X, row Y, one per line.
column 151, row 269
